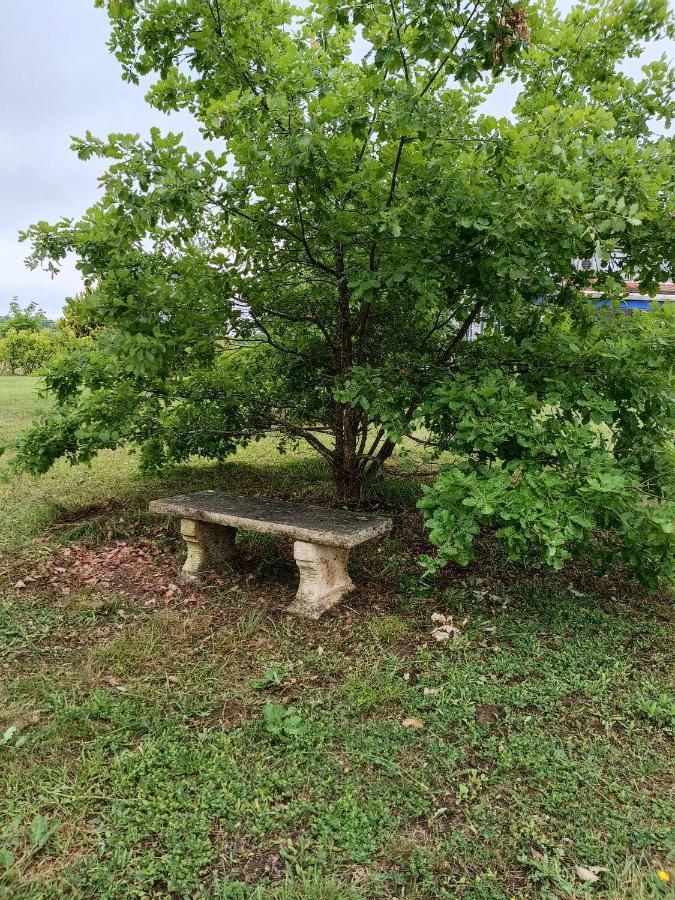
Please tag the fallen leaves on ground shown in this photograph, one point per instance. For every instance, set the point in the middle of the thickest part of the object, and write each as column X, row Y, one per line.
column 114, row 681
column 589, row 873
column 445, row 627
column 137, row 569
column 413, row 722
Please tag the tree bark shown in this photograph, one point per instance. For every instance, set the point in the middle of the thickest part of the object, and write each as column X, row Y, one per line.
column 346, row 469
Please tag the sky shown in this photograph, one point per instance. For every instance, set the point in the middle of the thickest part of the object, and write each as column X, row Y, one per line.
column 57, row 79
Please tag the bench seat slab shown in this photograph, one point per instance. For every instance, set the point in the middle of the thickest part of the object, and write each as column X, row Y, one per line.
column 329, row 527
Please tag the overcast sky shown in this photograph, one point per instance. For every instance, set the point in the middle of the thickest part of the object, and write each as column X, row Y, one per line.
column 58, row 79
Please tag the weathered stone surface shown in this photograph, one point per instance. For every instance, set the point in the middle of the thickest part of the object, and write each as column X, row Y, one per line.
column 323, row 578
column 208, row 547
column 328, row 527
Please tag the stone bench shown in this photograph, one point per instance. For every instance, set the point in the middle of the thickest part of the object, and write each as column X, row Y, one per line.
column 322, row 539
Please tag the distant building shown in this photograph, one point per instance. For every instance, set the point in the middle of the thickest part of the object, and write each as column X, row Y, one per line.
column 634, row 298
column 637, row 300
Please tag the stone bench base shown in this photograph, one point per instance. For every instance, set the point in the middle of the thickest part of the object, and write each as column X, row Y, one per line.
column 324, row 579
column 208, row 547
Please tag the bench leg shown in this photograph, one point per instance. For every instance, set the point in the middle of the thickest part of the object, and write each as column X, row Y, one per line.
column 208, row 547
column 323, row 578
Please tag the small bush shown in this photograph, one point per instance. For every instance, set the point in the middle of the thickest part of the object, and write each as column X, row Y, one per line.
column 28, row 352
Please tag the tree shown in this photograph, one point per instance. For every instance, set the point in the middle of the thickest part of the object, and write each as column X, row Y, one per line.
column 318, row 271
column 28, row 318
column 24, row 352
column 78, row 316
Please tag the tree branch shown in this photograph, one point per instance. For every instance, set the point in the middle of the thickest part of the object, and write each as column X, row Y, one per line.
column 288, row 231
column 298, row 431
column 461, row 333
column 313, row 320
column 270, row 340
column 398, row 35
column 447, row 56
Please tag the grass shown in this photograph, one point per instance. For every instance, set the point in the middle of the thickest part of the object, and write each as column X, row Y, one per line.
column 163, row 745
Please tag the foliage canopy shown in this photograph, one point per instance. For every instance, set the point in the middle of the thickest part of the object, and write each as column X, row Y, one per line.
column 24, row 318
column 319, row 269
column 29, row 340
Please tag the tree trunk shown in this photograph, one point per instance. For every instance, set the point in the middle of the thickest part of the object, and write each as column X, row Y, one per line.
column 348, row 487
column 346, row 469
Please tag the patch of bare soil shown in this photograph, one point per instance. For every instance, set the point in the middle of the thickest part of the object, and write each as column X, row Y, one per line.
column 489, row 714
column 144, row 570
column 245, row 860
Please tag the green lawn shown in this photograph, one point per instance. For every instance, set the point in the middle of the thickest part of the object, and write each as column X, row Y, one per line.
column 142, row 758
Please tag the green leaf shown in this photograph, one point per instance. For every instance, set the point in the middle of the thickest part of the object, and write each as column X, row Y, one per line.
column 41, row 831
column 9, row 734
column 271, row 678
